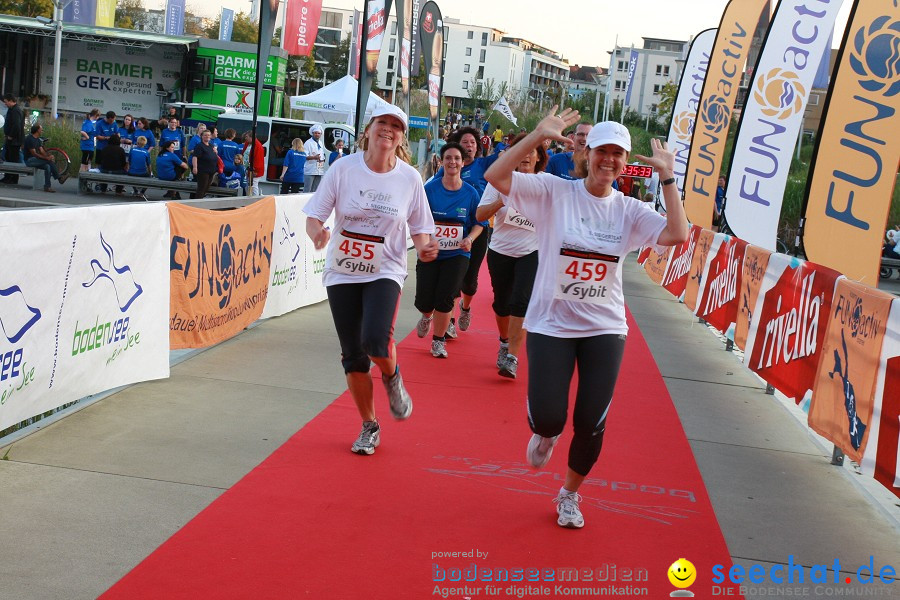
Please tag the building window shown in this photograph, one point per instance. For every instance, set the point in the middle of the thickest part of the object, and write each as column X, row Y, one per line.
column 390, row 62
column 484, row 38
column 483, row 54
column 471, row 35
column 331, row 19
column 394, row 28
column 393, row 45
column 654, row 108
column 465, row 85
column 620, row 86
column 468, row 52
column 656, row 89
column 662, row 70
column 480, row 74
column 622, row 66
column 389, row 80
column 465, row 68
column 813, row 100
column 666, row 70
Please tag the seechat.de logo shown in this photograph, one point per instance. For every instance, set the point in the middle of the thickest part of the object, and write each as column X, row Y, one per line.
column 874, row 57
column 717, row 113
column 779, row 93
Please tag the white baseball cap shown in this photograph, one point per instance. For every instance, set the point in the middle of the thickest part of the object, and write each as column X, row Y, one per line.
column 609, row 132
column 393, row 111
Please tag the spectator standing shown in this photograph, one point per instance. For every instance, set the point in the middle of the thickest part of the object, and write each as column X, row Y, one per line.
column 228, row 149
column 204, row 164
column 720, row 203
column 257, row 169
column 292, row 169
column 142, row 128
column 14, row 130
column 126, row 133
column 315, row 159
column 88, row 139
column 338, row 151
column 106, row 128
column 40, row 159
column 196, row 138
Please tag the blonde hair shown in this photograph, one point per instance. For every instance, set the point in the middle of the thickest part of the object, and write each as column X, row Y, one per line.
column 141, row 141
column 297, row 144
column 402, row 152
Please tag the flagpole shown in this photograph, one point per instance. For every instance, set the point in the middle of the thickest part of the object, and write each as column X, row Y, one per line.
column 363, row 74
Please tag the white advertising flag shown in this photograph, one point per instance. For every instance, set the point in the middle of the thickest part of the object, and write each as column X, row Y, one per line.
column 503, row 108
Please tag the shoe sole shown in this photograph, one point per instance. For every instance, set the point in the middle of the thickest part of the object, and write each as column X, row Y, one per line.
column 363, row 451
column 530, row 451
column 402, row 416
column 570, row 524
column 505, row 373
column 439, row 355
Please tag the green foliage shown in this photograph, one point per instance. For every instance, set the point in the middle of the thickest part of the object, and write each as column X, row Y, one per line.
column 27, row 8
column 62, row 133
column 337, row 67
column 667, row 96
column 244, row 29
column 130, row 14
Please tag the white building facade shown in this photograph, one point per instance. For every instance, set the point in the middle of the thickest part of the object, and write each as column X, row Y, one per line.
column 659, row 62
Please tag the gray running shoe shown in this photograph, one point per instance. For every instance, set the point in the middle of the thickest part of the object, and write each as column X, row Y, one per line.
column 510, row 364
column 465, row 317
column 398, row 397
column 568, row 511
column 501, row 354
column 368, row 439
column 539, row 450
column 451, row 331
column 438, row 349
column 423, row 326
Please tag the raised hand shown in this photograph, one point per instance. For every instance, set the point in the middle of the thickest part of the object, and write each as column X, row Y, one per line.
column 554, row 124
column 663, row 160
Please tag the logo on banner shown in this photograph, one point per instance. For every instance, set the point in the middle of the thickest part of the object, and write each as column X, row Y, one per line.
column 287, row 275
column 16, row 318
column 683, row 125
column 779, row 93
column 875, row 58
column 842, row 369
column 241, row 100
column 122, row 280
column 428, row 24
column 717, row 112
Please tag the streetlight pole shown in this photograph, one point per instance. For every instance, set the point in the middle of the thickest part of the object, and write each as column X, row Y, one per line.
column 325, row 76
column 58, row 6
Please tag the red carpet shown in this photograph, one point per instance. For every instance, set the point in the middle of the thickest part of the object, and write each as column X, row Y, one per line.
column 316, row 521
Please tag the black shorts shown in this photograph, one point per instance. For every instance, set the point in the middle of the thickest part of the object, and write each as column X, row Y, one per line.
column 438, row 282
column 512, row 279
column 87, row 156
column 364, row 315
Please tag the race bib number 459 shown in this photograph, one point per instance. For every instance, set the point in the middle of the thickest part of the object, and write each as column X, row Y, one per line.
column 585, row 276
column 357, row 253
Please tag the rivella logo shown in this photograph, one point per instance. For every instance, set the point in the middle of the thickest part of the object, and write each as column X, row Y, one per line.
column 779, row 93
column 875, row 56
column 683, row 125
column 717, row 113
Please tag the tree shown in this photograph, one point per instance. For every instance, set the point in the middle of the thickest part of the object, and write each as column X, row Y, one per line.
column 337, row 66
column 308, row 65
column 243, row 30
column 27, row 8
column 131, row 14
column 667, row 97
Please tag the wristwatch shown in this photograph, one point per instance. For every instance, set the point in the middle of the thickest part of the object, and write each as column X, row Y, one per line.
column 668, row 181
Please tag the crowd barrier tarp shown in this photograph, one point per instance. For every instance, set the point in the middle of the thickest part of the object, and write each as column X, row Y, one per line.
column 854, row 164
column 219, row 265
column 655, row 264
column 698, row 267
column 297, row 267
column 843, row 397
column 881, row 454
column 788, row 325
column 679, row 267
column 753, row 271
column 83, row 304
column 719, row 298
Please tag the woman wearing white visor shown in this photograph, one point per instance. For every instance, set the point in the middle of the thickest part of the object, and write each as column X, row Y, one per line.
column 576, row 317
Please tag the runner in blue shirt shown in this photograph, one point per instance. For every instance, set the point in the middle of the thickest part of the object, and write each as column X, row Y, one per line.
column 453, row 205
column 126, row 133
column 88, row 138
column 562, row 164
column 292, row 171
column 173, row 134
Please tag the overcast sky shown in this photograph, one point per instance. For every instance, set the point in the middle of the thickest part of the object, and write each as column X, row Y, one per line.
column 582, row 32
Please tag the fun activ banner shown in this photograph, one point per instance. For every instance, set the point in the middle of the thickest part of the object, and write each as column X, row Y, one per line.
column 698, row 266
column 219, row 266
column 882, row 451
column 408, row 29
column 787, row 330
column 297, row 267
column 843, row 399
column 431, row 38
column 721, row 284
column 355, row 41
column 301, row 26
column 679, row 266
column 753, row 271
column 772, row 117
column 83, row 303
column 687, row 102
column 854, row 164
column 720, row 90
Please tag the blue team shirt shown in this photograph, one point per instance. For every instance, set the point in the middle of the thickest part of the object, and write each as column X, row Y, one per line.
column 227, row 150
column 167, row 134
column 165, row 165
column 457, row 207
column 561, row 165
column 194, row 141
column 90, row 128
column 151, row 139
column 138, row 161
column 106, row 129
column 473, row 174
column 294, row 161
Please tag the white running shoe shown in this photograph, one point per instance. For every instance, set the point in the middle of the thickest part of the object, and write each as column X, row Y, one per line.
column 438, row 349
column 423, row 326
column 501, row 354
column 465, row 317
column 451, row 331
column 539, row 450
column 398, row 397
column 368, row 439
column 568, row 511
column 509, row 367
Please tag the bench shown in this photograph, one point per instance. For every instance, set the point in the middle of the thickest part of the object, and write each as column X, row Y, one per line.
column 87, row 180
column 888, row 265
column 23, row 169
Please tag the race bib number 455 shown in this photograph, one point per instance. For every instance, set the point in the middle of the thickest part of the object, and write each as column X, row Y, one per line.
column 585, row 276
column 357, row 253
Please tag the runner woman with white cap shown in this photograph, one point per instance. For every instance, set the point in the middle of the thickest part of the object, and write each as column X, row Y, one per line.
column 376, row 196
column 576, row 317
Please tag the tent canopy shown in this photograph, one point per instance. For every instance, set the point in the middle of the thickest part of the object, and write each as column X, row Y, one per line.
column 334, row 102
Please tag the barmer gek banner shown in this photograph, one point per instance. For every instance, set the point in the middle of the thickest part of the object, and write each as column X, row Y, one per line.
column 85, row 309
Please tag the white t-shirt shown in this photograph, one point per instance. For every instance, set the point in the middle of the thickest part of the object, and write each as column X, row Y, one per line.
column 314, row 167
column 583, row 235
column 513, row 232
column 369, row 206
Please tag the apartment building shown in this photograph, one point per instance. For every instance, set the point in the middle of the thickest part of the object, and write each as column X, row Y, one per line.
column 659, row 61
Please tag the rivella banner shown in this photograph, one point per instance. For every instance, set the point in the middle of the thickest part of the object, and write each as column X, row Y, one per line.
column 843, row 400
column 882, row 451
column 81, row 312
column 94, row 75
column 720, row 89
column 219, row 265
column 721, row 284
column 679, row 267
column 854, row 163
column 687, row 102
column 787, row 329
column 772, row 117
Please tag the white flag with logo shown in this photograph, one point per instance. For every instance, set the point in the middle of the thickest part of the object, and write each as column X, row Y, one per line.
column 504, row 110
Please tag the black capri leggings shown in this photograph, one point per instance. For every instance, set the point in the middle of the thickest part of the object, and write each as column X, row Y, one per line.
column 551, row 362
column 437, row 283
column 479, row 248
column 512, row 280
column 364, row 315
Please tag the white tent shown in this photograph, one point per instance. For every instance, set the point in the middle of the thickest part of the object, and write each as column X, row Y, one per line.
column 336, row 102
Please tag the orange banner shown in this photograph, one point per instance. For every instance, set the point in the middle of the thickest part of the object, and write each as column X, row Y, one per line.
column 756, row 261
column 655, row 265
column 701, row 252
column 219, row 271
column 844, row 393
column 852, row 175
column 726, row 67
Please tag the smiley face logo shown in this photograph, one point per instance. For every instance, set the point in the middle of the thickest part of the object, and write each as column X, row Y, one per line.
column 682, row 573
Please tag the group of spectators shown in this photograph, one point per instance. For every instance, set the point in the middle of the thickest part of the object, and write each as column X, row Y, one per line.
column 33, row 146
